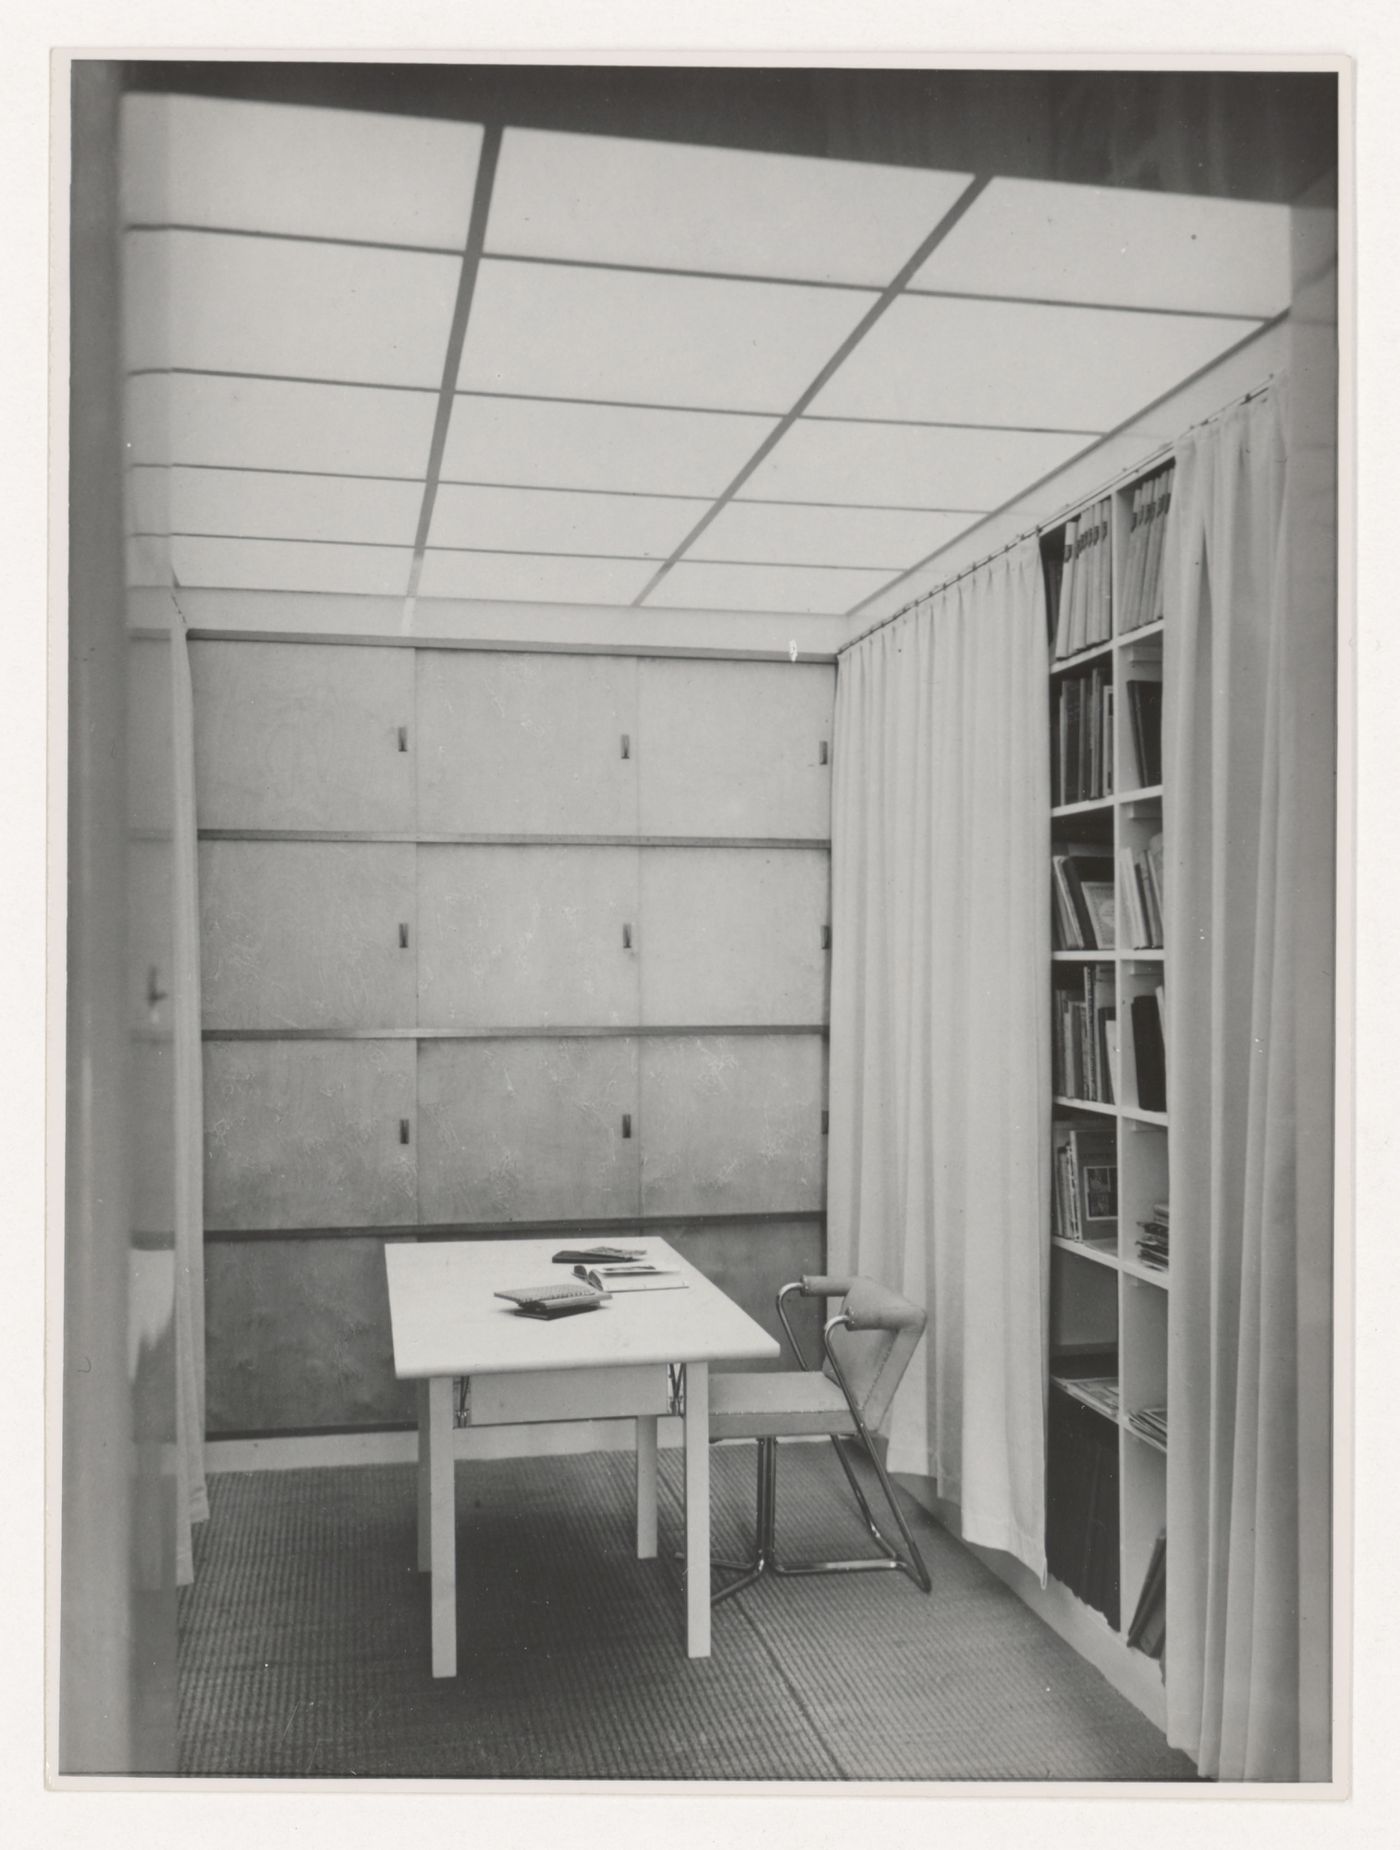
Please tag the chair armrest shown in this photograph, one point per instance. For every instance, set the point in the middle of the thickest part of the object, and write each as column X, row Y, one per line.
column 825, row 1285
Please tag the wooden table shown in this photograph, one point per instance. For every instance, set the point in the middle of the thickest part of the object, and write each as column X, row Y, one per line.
column 642, row 1354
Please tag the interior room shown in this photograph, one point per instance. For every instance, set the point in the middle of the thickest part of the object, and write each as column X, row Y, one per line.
column 732, row 675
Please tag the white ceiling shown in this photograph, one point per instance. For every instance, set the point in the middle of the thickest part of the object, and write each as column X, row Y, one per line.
column 683, row 377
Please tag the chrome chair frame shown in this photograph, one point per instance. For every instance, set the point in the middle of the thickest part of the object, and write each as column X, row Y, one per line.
column 765, row 1557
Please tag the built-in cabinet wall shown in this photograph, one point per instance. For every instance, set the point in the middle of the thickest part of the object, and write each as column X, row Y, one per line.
column 492, row 940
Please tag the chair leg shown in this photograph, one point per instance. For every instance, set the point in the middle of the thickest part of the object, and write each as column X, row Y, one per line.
column 762, row 1559
column 890, row 1560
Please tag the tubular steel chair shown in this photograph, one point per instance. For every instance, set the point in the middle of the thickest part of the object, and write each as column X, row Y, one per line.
column 868, row 1344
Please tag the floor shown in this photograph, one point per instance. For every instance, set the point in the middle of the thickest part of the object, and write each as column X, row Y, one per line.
column 304, row 1643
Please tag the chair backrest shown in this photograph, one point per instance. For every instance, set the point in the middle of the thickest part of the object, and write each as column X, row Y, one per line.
column 885, row 1330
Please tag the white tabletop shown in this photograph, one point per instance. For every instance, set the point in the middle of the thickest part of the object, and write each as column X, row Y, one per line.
column 446, row 1319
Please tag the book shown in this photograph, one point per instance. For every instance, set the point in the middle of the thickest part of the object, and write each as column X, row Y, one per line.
column 1145, row 724
column 1067, row 570
column 1147, row 1632
column 1098, row 897
column 552, row 1300
column 1150, row 1054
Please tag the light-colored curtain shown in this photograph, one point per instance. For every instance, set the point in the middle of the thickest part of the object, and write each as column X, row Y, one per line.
column 192, row 1496
column 1249, row 744
column 938, row 1165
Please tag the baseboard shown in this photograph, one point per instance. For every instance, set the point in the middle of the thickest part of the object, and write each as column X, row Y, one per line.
column 310, row 1450
column 1137, row 1677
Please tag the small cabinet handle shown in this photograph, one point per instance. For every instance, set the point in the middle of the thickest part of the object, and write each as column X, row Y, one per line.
column 403, row 937
column 627, row 1124
column 627, row 937
column 826, row 937
column 823, row 753
column 627, row 745
column 403, row 738
column 403, row 1130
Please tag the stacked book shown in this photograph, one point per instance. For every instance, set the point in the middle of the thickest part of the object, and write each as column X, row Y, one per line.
column 1081, row 768
column 1152, row 1246
column 1082, row 888
column 1151, row 1423
column 1142, row 567
column 1140, row 875
column 1085, row 1200
column 1084, row 1031
column 1083, row 591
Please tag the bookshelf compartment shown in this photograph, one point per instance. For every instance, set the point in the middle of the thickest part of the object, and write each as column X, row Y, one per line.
column 1142, row 1189
column 1084, row 1033
column 1140, row 865
column 1083, row 1316
column 1142, row 1040
column 1143, row 1369
column 1143, row 1523
column 1138, row 700
column 1082, row 1503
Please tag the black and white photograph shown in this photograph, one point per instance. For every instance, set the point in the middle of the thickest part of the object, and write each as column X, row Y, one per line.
column 700, row 989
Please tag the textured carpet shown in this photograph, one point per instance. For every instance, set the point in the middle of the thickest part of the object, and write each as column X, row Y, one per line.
column 304, row 1643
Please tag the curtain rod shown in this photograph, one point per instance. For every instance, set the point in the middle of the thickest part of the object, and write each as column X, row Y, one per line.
column 1142, row 466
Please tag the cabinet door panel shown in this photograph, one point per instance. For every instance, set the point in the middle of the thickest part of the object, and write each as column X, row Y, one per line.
column 733, row 936
column 302, row 736
column 526, row 937
column 732, row 1124
column 307, row 1134
column 307, row 934
column 526, row 744
column 527, row 1130
column 297, row 1335
column 751, row 1264
column 734, row 748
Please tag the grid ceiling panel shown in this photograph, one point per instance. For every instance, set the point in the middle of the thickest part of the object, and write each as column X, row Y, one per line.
column 796, row 589
column 279, row 565
column 980, row 362
column 524, row 519
column 536, row 580
column 882, row 537
column 658, row 340
column 597, row 446
column 1040, row 238
column 330, row 173
column 267, row 505
column 321, row 311
column 906, row 465
column 278, row 424
column 602, row 199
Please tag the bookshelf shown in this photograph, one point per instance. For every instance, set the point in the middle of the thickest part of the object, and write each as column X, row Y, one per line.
column 1107, row 1437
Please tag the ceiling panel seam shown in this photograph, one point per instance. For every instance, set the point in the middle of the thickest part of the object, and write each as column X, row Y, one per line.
column 689, row 271
column 456, row 339
column 890, row 294
column 564, row 488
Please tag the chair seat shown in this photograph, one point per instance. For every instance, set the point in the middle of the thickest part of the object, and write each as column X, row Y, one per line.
column 777, row 1406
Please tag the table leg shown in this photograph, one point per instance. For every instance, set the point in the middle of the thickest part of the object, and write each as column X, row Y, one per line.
column 424, row 1554
column 697, row 1509
column 646, row 1487
column 442, row 1526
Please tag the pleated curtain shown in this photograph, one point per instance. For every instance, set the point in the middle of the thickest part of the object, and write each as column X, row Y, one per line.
column 1249, row 749
column 192, row 1504
column 938, row 1162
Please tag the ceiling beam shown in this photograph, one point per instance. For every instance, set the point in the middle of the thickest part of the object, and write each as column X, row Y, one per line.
column 456, row 339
